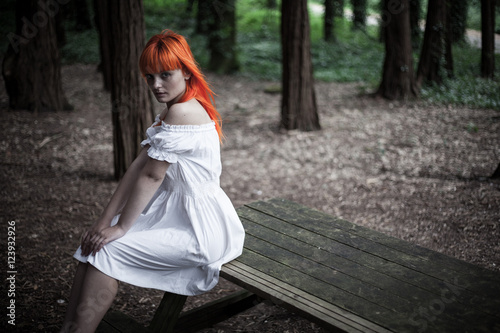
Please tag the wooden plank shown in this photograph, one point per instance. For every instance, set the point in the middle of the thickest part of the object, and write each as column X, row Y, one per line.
column 412, row 285
column 292, row 212
column 288, row 296
column 483, row 322
column 336, row 243
column 331, row 294
column 214, row 312
column 284, row 269
column 321, row 256
column 318, row 272
column 116, row 321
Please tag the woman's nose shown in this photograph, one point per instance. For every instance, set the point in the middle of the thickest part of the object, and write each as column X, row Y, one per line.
column 156, row 82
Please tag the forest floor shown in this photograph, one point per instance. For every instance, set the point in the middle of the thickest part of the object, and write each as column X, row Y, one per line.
column 410, row 170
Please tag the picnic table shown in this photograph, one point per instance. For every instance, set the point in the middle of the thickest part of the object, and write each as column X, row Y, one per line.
column 342, row 276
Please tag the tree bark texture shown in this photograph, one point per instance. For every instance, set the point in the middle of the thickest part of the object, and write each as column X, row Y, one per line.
column 488, row 38
column 222, row 37
column 298, row 104
column 398, row 80
column 432, row 56
column 31, row 67
column 329, row 20
column 132, row 110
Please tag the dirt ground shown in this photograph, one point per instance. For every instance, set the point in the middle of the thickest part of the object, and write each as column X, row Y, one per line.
column 410, row 170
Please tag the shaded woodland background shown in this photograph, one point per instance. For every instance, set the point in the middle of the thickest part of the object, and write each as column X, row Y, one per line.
column 406, row 150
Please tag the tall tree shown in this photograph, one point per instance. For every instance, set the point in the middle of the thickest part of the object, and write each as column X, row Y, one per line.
column 458, row 19
column 359, row 13
column 298, row 104
column 31, row 67
column 101, row 10
column 398, row 80
column 432, row 58
column 329, row 18
column 222, row 37
column 415, row 15
column 488, row 38
column 132, row 110
column 204, row 14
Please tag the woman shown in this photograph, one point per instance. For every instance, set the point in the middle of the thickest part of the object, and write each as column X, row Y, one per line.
column 169, row 225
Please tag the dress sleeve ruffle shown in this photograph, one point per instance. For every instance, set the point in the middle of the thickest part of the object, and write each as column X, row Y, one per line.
column 169, row 142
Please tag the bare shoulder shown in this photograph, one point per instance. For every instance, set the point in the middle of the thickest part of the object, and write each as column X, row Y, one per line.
column 187, row 113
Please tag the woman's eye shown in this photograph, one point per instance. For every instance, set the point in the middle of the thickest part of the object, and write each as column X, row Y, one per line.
column 165, row 74
column 148, row 76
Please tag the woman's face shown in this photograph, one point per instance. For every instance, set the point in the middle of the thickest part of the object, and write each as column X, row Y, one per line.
column 167, row 86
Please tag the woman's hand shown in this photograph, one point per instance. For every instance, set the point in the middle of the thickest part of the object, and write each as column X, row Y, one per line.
column 94, row 239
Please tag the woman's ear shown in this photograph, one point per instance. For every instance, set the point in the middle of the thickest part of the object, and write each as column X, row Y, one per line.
column 186, row 73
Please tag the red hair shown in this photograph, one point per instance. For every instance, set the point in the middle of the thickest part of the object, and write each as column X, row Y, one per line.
column 169, row 51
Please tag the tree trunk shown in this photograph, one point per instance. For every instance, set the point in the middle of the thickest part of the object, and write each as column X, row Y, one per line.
column 415, row 15
column 458, row 19
column 222, row 37
column 487, row 38
column 448, row 41
column 329, row 20
column 298, row 104
column 398, row 81
column 339, row 8
column 102, row 13
column 132, row 110
column 434, row 46
column 359, row 14
column 31, row 67
column 203, row 17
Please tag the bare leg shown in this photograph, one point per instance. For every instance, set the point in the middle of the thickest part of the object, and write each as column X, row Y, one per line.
column 94, row 297
column 69, row 319
column 97, row 294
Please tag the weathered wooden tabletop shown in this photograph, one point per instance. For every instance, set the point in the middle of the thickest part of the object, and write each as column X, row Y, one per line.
column 355, row 279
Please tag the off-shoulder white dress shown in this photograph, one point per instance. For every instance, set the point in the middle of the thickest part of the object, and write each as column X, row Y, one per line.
column 188, row 229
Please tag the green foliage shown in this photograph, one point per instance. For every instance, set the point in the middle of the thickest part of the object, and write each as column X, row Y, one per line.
column 81, row 47
column 466, row 88
column 356, row 56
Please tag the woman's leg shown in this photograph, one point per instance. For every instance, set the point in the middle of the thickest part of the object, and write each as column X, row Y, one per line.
column 97, row 293
column 94, row 292
column 69, row 319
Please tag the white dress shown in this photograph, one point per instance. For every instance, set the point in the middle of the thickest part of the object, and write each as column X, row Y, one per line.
column 188, row 229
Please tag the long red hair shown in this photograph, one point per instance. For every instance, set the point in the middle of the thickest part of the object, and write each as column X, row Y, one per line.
column 170, row 51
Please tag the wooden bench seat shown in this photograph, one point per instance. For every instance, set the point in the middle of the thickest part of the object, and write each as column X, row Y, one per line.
column 350, row 278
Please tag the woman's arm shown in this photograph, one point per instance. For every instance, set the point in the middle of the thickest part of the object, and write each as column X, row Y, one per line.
column 122, row 193
column 147, row 182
